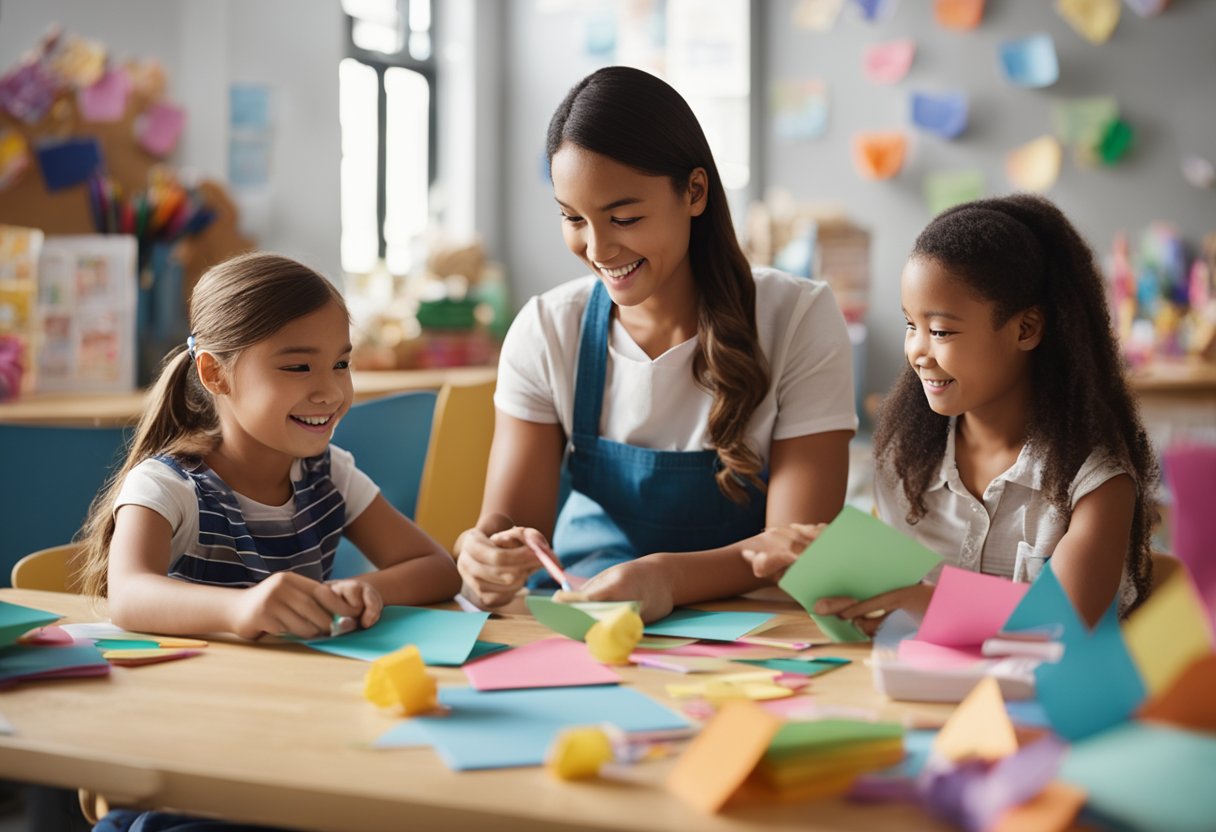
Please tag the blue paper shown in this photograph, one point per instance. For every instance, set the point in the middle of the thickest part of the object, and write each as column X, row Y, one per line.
column 1147, row 776
column 68, row 162
column 443, row 637
column 1046, row 608
column 21, row 661
column 16, row 621
column 1028, row 713
column 1030, row 62
column 711, row 626
column 944, row 114
column 505, row 729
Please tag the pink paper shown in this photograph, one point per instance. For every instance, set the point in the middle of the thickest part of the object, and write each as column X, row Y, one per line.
column 1190, row 472
column 722, row 649
column 159, row 128
column 792, row 707
column 887, row 63
column 968, row 608
column 49, row 636
column 935, row 656
column 551, row 663
column 107, row 99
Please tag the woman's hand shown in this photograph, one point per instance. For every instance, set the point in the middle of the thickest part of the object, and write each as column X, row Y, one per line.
column 867, row 615
column 494, row 567
column 289, row 604
column 638, row 580
column 775, row 550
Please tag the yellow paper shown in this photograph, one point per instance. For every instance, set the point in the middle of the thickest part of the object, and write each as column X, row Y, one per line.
column 686, row 690
column 180, row 642
column 1094, row 20
column 1168, row 632
column 1034, row 166
column 979, row 727
column 1188, row 702
column 721, row 757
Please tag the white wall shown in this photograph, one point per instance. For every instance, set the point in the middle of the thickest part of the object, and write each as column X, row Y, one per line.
column 291, row 46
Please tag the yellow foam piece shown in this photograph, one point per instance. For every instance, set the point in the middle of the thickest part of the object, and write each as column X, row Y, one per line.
column 400, row 681
column 612, row 638
column 578, row 752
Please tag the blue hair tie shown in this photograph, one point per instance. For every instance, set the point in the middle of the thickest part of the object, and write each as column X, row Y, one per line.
column 190, row 346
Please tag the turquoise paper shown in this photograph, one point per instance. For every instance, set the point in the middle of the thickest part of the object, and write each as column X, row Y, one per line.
column 443, row 637
column 707, row 625
column 16, row 621
column 21, row 661
column 803, row 667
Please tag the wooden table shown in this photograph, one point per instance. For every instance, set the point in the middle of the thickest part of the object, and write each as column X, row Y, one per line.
column 122, row 409
column 278, row 733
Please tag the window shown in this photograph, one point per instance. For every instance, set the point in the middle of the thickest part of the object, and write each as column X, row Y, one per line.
column 387, row 114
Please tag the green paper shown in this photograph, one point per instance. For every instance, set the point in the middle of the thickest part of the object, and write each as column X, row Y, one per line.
column 803, row 667
column 16, row 621
column 1116, row 141
column 856, row 556
column 126, row 644
column 561, row 618
column 798, row 738
column 945, row 189
column 664, row 642
column 1082, row 120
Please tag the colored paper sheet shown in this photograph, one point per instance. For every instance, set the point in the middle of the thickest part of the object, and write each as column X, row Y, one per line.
column 1027, row 713
column 1188, row 702
column 979, row 727
column 486, row 648
column 1168, row 632
column 968, row 607
column 14, row 157
column 126, row 644
column 443, row 637
column 504, row 729
column 713, row 649
column 888, row 63
column 721, row 757
column 1116, row 141
column 942, row 114
column 945, row 189
column 680, row 664
column 792, row 707
column 817, row 15
column 28, row 91
column 1030, row 62
column 1082, row 120
column 796, row 739
column 560, row 618
column 708, row 625
column 938, row 657
column 16, row 620
column 1013, row 781
column 49, row 636
column 879, row 155
column 1190, row 472
column 1051, row 810
column 23, row 663
column 68, row 162
column 800, row 108
column 875, row 11
column 106, row 100
column 135, row 658
column 1094, row 20
column 856, row 556
column 1035, row 166
column 1147, row 776
column 802, row 667
column 1096, row 684
column 1148, row 8
column 159, row 127
column 549, row 663
column 958, row 14
column 664, row 643
column 1046, row 608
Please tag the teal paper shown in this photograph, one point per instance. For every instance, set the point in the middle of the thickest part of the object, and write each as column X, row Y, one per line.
column 856, row 556
column 707, row 625
column 16, row 621
column 1147, row 776
column 803, row 667
column 505, row 729
column 443, row 637
column 1046, row 608
column 21, row 661
column 486, row 648
column 126, row 644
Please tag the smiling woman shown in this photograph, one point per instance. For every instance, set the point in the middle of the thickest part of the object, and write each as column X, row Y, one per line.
column 694, row 400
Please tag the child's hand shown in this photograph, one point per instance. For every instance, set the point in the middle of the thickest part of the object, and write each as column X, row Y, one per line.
column 494, row 568
column 776, row 549
column 289, row 604
column 633, row 581
column 867, row 615
column 362, row 596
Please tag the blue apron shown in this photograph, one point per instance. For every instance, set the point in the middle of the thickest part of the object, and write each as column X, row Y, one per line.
column 627, row 501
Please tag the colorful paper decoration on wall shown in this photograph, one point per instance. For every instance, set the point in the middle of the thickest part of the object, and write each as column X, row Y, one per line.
column 1031, row 61
column 943, row 114
column 800, row 108
column 945, row 189
column 958, row 14
column 879, row 155
column 887, row 63
column 1035, row 166
column 816, row 15
column 1094, row 20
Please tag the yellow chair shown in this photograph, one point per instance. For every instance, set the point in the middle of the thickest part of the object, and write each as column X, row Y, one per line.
column 454, row 476
column 50, row 569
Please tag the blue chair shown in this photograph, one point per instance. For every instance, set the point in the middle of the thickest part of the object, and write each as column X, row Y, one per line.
column 49, row 477
column 388, row 437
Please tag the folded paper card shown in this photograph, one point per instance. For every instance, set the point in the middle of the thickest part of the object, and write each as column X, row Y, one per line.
column 859, row 557
column 443, row 637
column 16, row 620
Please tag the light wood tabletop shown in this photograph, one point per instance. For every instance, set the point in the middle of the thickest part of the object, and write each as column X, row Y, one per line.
column 278, row 734
column 122, row 409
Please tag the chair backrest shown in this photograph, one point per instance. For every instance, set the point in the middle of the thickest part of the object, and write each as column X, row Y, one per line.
column 50, row 569
column 48, row 478
column 454, row 478
column 388, row 437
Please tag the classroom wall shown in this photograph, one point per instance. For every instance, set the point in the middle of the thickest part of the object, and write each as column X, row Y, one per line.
column 292, row 46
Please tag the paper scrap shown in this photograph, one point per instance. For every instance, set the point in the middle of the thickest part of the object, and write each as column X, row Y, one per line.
column 979, row 727
column 721, row 757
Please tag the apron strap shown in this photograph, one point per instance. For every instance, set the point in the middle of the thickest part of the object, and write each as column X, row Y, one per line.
column 592, row 363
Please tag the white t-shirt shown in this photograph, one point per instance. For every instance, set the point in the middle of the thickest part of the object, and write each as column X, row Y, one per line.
column 657, row 404
column 155, row 485
column 1011, row 532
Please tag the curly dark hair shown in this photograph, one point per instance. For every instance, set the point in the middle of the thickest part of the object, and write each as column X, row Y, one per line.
column 601, row 113
column 1017, row 252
